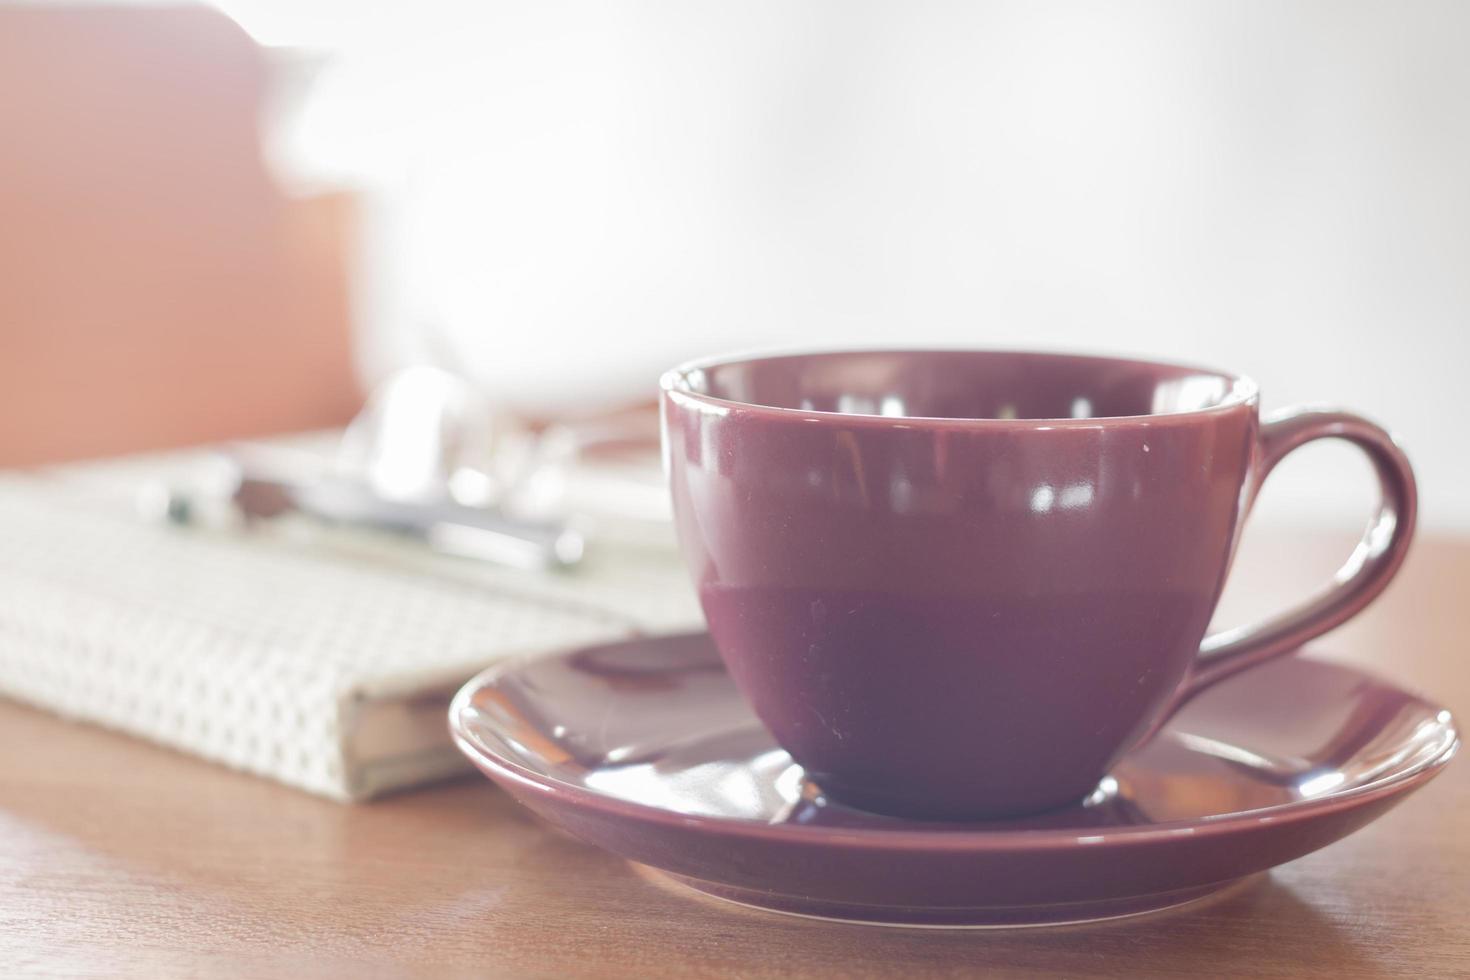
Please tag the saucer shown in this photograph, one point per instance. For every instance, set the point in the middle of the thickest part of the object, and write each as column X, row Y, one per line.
column 646, row 748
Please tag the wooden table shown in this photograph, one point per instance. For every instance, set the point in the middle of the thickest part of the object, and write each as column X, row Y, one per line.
column 117, row 857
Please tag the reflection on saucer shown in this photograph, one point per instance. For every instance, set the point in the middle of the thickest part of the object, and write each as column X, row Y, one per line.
column 646, row 748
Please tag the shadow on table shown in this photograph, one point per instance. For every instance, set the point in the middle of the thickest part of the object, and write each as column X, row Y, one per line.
column 1261, row 925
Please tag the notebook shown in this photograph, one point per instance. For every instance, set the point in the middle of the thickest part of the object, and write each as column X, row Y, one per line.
column 321, row 658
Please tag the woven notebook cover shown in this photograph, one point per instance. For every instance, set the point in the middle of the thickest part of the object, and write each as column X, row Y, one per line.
column 322, row 659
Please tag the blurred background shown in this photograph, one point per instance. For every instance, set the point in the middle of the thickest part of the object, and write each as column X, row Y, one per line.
column 234, row 219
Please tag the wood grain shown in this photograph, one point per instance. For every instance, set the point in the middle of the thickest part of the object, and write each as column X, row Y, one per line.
column 117, row 858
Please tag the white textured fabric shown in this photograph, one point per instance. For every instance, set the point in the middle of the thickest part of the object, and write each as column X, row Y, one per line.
column 259, row 650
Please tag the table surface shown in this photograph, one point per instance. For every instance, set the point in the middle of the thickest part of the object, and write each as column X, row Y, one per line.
column 120, row 858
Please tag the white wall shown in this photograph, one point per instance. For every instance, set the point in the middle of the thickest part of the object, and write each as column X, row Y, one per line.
column 587, row 192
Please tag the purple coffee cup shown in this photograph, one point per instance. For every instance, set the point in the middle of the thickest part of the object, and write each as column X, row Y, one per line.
column 961, row 584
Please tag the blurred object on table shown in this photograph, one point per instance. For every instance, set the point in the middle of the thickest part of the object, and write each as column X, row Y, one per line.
column 430, row 459
column 428, row 434
column 604, row 473
column 431, row 454
column 268, row 486
column 158, row 289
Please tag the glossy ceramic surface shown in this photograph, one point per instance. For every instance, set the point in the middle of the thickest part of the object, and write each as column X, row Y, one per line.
column 963, row 584
column 648, row 749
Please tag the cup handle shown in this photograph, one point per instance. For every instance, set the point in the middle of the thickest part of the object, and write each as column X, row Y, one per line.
column 1364, row 575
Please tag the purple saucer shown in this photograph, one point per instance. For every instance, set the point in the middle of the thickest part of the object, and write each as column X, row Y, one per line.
column 646, row 748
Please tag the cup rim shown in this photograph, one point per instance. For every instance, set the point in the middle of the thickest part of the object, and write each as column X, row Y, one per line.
column 675, row 384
